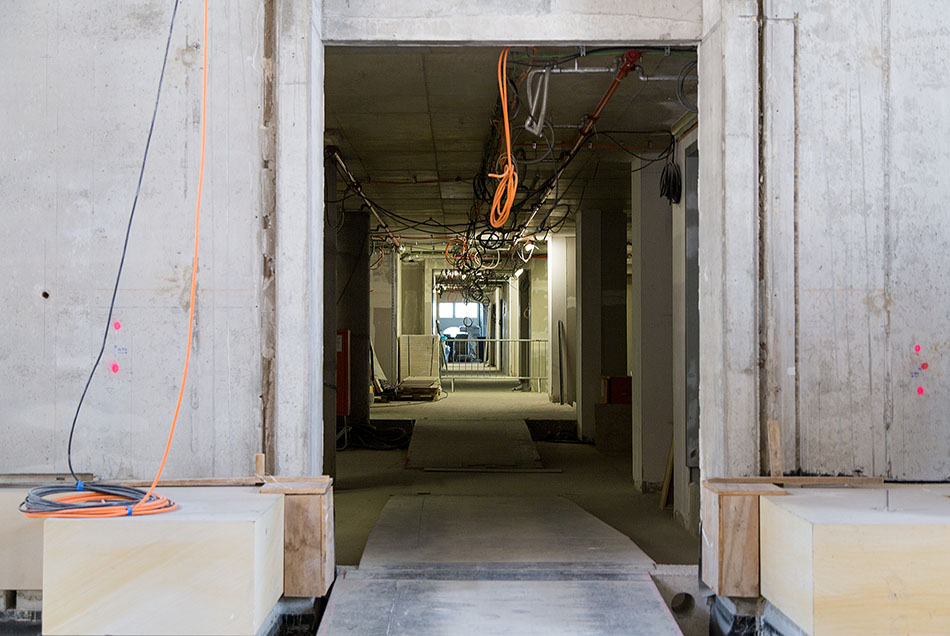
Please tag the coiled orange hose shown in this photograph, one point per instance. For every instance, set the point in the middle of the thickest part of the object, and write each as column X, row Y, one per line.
column 508, row 178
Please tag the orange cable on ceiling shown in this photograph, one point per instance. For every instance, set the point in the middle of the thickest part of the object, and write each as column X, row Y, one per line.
column 508, row 178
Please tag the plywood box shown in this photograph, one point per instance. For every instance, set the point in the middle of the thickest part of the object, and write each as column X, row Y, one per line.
column 730, row 537
column 213, row 567
column 21, row 544
column 309, row 552
column 858, row 561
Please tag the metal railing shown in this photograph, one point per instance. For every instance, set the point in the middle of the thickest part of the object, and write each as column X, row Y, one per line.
column 495, row 358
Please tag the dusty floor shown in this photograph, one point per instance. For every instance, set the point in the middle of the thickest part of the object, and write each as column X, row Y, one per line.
column 478, row 399
column 598, row 483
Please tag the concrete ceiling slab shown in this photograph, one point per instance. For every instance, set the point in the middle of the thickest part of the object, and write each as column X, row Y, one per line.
column 425, row 113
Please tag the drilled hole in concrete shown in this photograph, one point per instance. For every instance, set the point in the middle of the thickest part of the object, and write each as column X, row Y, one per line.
column 682, row 603
column 45, row 294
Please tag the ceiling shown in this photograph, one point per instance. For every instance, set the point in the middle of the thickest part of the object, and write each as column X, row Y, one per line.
column 407, row 114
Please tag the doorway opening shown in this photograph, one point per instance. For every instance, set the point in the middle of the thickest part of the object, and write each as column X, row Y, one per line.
column 571, row 316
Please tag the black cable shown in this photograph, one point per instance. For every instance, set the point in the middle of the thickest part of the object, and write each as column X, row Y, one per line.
column 681, row 90
column 671, row 181
column 372, row 437
column 125, row 247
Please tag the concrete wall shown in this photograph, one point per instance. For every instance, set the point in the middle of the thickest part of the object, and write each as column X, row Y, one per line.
column 383, row 319
column 728, row 239
column 78, row 87
column 528, row 21
column 854, row 163
column 843, row 186
column 685, row 490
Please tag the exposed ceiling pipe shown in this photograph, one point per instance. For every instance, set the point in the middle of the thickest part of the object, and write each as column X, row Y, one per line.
column 641, row 74
column 627, row 64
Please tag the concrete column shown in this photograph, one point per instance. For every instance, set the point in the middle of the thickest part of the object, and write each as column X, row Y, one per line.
column 728, row 241
column 332, row 219
column 651, row 294
column 601, row 308
column 298, row 258
column 562, row 317
column 352, row 306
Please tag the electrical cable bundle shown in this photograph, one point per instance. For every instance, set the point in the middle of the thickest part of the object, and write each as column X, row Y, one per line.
column 671, row 180
column 106, row 500
column 508, row 177
column 93, row 501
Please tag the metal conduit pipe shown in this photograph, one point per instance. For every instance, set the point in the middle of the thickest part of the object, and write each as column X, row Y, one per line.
column 641, row 74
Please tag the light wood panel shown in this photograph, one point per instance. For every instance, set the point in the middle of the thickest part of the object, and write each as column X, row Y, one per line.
column 213, row 567
column 730, row 541
column 862, row 561
column 21, row 544
column 785, row 542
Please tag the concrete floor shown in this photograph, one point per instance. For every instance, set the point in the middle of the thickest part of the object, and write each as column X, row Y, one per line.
column 600, row 484
column 478, row 399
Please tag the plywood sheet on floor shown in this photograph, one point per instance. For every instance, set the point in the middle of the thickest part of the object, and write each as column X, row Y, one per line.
column 858, row 561
column 496, row 537
column 472, row 443
column 365, row 607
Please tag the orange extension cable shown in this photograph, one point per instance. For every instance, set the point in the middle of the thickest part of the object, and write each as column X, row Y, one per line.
column 508, row 178
column 159, row 503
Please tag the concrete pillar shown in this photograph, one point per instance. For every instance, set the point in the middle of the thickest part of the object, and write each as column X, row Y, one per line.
column 352, row 306
column 298, row 253
column 728, row 241
column 332, row 219
column 601, row 308
column 652, row 332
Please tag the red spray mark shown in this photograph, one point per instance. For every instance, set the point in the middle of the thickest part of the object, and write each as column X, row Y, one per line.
column 924, row 366
column 920, row 390
column 917, row 348
column 117, row 325
column 115, row 368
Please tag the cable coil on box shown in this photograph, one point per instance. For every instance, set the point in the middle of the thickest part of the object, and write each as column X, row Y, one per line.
column 93, row 500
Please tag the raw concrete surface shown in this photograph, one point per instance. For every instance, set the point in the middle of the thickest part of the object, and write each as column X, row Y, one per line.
column 75, row 104
column 481, row 533
column 472, row 443
column 515, row 21
column 598, row 483
column 477, row 399
column 363, row 607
